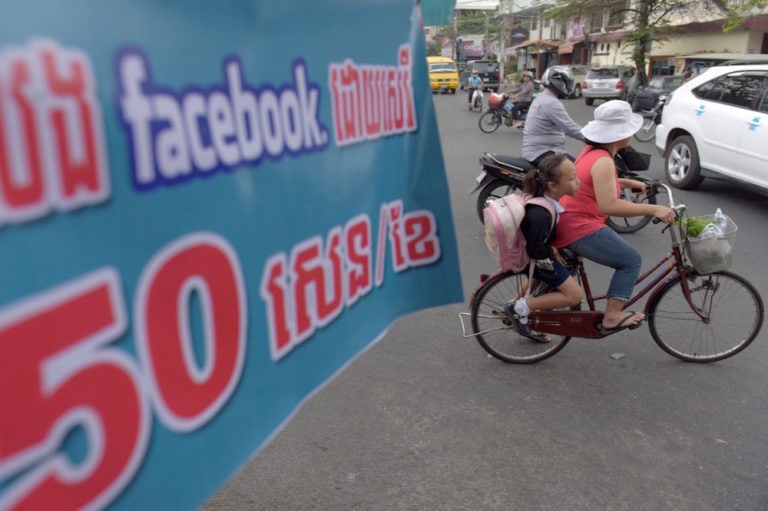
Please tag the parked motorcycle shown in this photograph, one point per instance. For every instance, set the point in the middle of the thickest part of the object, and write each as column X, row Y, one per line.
column 477, row 100
column 500, row 109
column 502, row 175
column 651, row 118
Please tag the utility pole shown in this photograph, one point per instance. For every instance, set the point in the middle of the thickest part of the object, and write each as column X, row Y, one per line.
column 502, row 56
column 454, row 48
column 506, row 8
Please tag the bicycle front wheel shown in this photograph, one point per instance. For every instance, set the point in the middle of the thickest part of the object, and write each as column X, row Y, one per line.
column 493, row 330
column 732, row 310
column 489, row 121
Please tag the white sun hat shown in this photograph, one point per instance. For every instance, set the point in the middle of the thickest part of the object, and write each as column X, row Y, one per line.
column 614, row 121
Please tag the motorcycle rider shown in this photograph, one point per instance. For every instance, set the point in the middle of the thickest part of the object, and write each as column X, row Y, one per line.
column 473, row 82
column 547, row 122
column 522, row 96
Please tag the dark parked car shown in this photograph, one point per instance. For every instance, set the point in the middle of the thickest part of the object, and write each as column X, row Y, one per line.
column 488, row 70
column 645, row 96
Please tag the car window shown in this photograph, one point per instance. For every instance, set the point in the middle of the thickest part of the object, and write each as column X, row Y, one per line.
column 763, row 107
column 674, row 82
column 743, row 90
column 604, row 73
column 628, row 73
column 656, row 83
column 441, row 67
column 486, row 67
column 711, row 90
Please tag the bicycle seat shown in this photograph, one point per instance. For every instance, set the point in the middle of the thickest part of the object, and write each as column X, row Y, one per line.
column 569, row 255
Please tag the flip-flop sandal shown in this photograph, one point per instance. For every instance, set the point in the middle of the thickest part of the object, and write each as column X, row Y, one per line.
column 540, row 337
column 620, row 324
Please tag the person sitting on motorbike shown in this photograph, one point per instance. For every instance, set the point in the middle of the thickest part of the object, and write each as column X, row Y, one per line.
column 582, row 227
column 473, row 82
column 547, row 122
column 522, row 96
column 555, row 178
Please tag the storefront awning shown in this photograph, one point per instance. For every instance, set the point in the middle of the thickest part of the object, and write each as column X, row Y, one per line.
column 610, row 36
column 565, row 48
column 537, row 43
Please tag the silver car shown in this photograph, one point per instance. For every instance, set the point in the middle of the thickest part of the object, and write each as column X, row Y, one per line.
column 608, row 82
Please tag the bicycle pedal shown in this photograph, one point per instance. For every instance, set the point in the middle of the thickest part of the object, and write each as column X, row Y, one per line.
column 502, row 316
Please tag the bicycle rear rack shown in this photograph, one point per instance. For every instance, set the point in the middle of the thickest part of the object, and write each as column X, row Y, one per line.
column 466, row 335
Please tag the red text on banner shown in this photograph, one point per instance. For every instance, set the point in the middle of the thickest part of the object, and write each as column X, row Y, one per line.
column 52, row 152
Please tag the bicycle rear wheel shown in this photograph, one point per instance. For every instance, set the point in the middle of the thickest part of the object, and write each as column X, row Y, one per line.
column 493, row 330
column 732, row 307
column 647, row 131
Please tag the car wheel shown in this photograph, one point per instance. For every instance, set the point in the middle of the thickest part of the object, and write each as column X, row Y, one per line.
column 589, row 101
column 681, row 163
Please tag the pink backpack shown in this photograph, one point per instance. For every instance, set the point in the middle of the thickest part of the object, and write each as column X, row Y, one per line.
column 502, row 218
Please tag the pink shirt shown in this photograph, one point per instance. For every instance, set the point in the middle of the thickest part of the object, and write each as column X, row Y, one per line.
column 582, row 215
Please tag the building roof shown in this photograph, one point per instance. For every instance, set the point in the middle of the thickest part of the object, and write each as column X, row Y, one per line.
column 477, row 4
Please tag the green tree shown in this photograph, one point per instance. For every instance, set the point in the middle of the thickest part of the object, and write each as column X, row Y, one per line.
column 434, row 48
column 738, row 11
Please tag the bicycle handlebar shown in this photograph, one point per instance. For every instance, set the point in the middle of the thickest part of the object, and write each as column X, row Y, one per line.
column 678, row 208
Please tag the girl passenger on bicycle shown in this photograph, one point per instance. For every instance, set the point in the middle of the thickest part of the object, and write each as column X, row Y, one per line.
column 582, row 226
column 555, row 178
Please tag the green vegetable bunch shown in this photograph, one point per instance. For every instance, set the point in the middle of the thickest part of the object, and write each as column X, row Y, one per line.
column 693, row 225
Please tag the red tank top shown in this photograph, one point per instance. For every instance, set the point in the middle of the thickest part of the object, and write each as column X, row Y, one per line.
column 582, row 215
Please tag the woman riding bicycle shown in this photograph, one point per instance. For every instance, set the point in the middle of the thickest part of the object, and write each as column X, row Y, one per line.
column 582, row 225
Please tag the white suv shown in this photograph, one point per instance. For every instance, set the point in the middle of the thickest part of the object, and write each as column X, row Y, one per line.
column 717, row 123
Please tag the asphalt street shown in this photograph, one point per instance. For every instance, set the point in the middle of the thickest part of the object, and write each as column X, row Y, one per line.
column 425, row 420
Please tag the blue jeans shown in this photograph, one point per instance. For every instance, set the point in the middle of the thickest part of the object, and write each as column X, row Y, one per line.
column 609, row 249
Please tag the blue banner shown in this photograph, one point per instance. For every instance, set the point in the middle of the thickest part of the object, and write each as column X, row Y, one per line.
column 437, row 12
column 206, row 210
